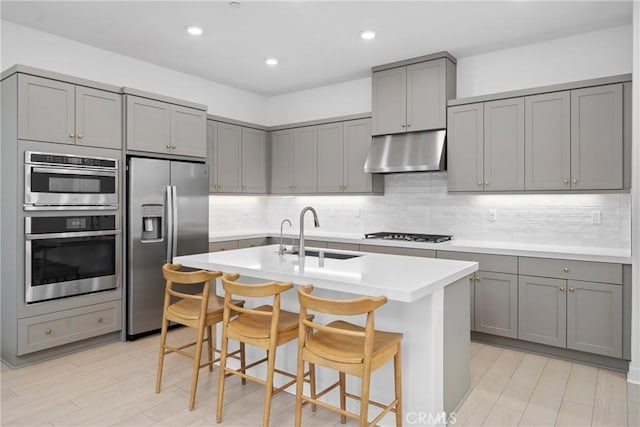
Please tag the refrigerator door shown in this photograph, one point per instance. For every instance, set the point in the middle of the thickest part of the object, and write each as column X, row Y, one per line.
column 191, row 191
column 147, row 240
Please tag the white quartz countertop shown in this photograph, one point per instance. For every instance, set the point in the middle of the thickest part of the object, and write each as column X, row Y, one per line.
column 579, row 253
column 399, row 278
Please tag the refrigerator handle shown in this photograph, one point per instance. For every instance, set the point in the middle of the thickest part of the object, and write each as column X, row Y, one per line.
column 174, row 204
column 169, row 224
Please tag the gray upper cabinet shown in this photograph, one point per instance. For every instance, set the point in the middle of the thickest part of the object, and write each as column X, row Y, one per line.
column 542, row 310
column 229, row 154
column 465, row 148
column 412, row 98
column 237, row 158
column 342, row 151
column 596, row 138
column 254, row 160
column 548, row 141
column 594, row 318
column 294, row 160
column 504, row 145
column 160, row 127
column 496, row 303
column 188, row 131
column 389, row 101
column 148, row 125
column 54, row 111
column 330, row 160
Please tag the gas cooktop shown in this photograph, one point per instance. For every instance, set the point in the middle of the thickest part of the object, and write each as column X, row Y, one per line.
column 409, row 237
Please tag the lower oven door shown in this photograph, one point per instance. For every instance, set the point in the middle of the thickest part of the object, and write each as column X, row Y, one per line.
column 64, row 264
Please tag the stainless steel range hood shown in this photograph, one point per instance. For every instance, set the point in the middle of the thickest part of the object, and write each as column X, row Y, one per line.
column 407, row 152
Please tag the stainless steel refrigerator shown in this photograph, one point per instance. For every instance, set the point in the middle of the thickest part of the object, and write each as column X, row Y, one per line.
column 168, row 215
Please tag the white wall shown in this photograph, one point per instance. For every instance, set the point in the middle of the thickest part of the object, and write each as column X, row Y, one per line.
column 23, row 45
column 584, row 56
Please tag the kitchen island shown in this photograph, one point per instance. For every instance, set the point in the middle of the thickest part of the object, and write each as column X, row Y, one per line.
column 428, row 303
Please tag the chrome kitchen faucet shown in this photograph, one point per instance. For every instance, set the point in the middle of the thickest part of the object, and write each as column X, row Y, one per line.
column 316, row 223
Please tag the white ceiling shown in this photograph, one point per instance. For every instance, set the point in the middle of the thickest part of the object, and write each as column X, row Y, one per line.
column 316, row 42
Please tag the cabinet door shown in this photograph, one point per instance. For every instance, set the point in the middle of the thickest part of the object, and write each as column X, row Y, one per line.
column 229, row 158
column 188, row 131
column 212, row 155
column 504, row 145
column 547, row 141
column 357, row 139
column 254, row 161
column 330, row 158
column 596, row 138
column 148, row 125
column 465, row 148
column 46, row 110
column 496, row 304
column 542, row 310
column 304, row 159
column 98, row 118
column 389, row 101
column 281, row 161
column 594, row 318
column 426, row 95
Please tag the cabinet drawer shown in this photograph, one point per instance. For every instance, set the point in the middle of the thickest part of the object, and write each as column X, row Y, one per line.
column 394, row 250
column 343, row 246
column 51, row 330
column 252, row 243
column 568, row 269
column 223, row 246
column 486, row 262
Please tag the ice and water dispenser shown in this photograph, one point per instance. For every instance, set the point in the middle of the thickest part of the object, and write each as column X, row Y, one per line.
column 152, row 219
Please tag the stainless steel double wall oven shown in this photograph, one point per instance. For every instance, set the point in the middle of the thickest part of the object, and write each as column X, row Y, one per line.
column 73, row 244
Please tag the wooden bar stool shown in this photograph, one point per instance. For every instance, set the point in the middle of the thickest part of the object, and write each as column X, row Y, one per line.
column 199, row 311
column 266, row 327
column 349, row 349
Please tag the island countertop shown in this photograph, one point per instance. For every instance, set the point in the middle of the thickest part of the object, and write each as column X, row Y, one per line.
column 399, row 278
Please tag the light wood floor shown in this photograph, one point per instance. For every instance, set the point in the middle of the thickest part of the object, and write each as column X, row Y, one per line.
column 114, row 385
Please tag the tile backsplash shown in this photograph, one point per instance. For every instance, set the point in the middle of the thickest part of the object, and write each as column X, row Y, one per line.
column 419, row 203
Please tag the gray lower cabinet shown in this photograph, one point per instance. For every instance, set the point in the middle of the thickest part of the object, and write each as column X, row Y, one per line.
column 342, row 151
column 548, row 141
column 237, row 158
column 160, row 127
column 542, row 310
column 496, row 303
column 504, row 145
column 54, row 111
column 394, row 250
column 294, row 160
column 596, row 138
column 223, row 246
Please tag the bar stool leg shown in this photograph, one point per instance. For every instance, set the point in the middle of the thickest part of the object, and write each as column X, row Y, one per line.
column 343, row 398
column 397, row 366
column 243, row 363
column 299, row 389
column 222, row 371
column 196, row 366
column 312, row 385
column 163, row 342
column 210, row 347
column 268, row 393
column 364, row 396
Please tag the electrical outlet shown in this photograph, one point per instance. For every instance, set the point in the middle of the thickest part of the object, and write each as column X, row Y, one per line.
column 596, row 217
column 492, row 215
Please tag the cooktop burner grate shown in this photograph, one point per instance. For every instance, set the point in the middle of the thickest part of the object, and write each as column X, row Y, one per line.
column 409, row 237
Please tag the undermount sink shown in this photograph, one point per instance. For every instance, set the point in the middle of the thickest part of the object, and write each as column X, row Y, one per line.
column 333, row 255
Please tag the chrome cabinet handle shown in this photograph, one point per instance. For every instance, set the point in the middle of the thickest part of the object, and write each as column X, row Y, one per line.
column 572, row 289
column 486, row 183
column 574, row 180
column 479, row 182
column 477, row 278
column 99, row 319
column 566, row 181
column 402, row 125
column 565, row 269
column 72, row 135
column 561, row 288
column 168, row 147
column 173, row 147
column 47, row 331
column 408, row 125
column 79, row 136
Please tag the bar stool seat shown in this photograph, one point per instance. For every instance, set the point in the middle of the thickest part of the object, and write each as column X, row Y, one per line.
column 254, row 326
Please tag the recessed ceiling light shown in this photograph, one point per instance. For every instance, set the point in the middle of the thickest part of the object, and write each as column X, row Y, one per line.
column 235, row 4
column 271, row 61
column 367, row 34
column 194, row 30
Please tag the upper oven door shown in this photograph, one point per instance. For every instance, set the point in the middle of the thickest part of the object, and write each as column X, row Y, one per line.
column 57, row 186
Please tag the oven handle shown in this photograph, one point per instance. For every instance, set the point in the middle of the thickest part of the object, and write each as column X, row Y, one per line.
column 83, row 171
column 71, row 234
